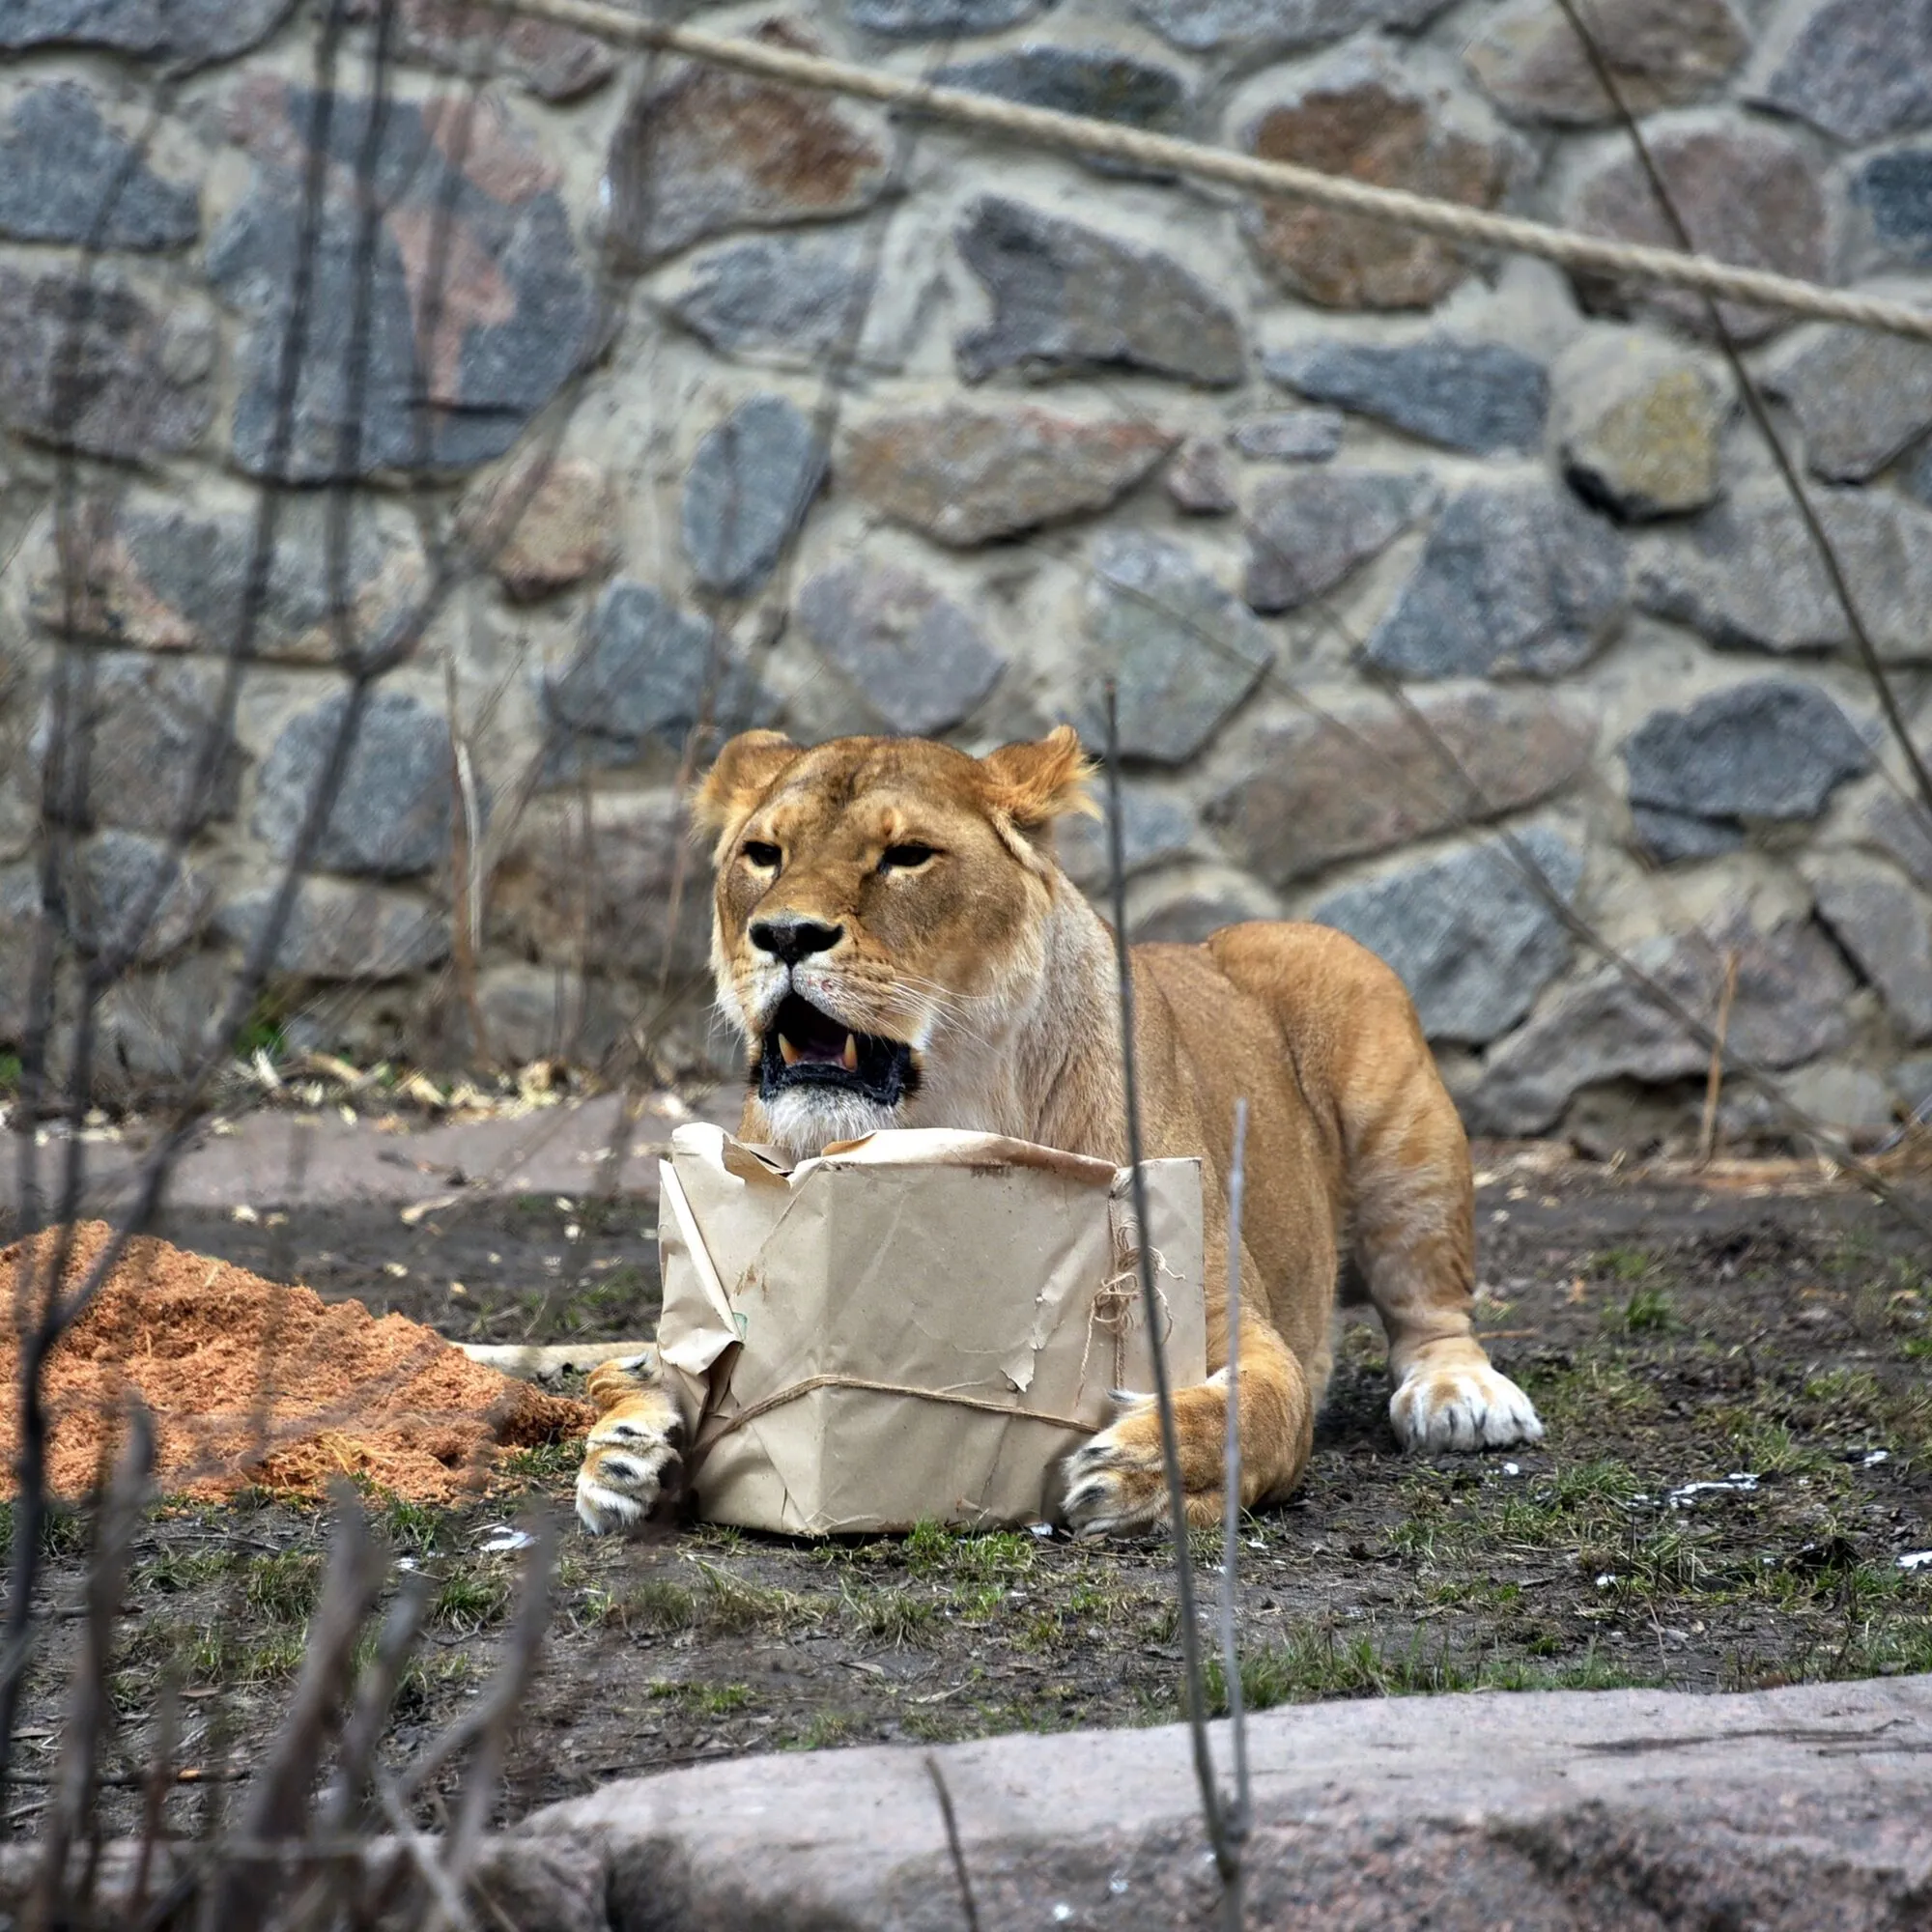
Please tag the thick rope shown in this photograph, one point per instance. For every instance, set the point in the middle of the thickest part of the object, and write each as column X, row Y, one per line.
column 1451, row 220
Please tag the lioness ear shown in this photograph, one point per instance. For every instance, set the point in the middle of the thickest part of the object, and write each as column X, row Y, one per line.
column 745, row 770
column 1035, row 782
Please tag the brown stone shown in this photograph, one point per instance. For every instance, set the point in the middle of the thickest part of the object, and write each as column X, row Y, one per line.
column 1661, row 53
column 966, row 475
column 1747, row 195
column 555, row 61
column 711, row 151
column 1365, row 779
column 592, row 888
column 1361, row 116
column 546, row 524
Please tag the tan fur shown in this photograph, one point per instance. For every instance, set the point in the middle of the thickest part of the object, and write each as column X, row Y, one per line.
column 992, row 965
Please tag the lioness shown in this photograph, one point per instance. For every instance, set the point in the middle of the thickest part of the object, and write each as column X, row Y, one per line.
column 899, row 949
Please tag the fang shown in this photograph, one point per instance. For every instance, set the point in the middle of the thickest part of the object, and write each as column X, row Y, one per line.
column 851, row 1055
column 787, row 1052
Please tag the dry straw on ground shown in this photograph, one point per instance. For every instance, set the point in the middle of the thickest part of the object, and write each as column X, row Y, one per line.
column 253, row 1383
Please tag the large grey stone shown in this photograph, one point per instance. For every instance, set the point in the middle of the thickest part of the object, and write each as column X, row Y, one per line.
column 966, row 476
column 792, row 299
column 1887, row 928
column 67, row 175
column 1901, row 828
column 746, row 491
column 338, row 931
column 611, row 884
column 1771, row 748
column 1291, row 436
column 151, row 574
column 1070, row 300
column 131, row 899
column 941, row 19
column 641, row 670
column 1474, row 935
column 1637, row 425
column 184, row 32
column 707, row 149
column 1102, row 83
column 87, row 363
column 145, row 732
column 917, row 661
column 1476, row 396
column 1747, row 574
column 1531, row 61
column 1513, row 578
column 1860, row 70
column 1309, row 532
column 1156, row 827
column 1790, row 1810
column 1895, row 192
column 1183, row 905
column 1364, row 778
column 1184, row 652
column 1747, row 194
column 1860, row 397
column 1672, row 836
column 1788, row 1007
column 390, row 815
column 1363, row 116
column 1260, row 27
column 512, row 303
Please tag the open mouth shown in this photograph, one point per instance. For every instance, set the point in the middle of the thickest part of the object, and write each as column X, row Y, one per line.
column 804, row 1047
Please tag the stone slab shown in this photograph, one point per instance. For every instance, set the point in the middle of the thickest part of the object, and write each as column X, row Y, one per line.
column 1806, row 1807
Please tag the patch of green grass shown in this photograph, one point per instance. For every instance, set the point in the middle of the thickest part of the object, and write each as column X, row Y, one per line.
column 543, row 1464
column 283, row 1587
column 894, row 1616
column 736, row 1603
column 1320, row 1663
column 1647, row 1311
column 469, row 1601
column 175, row 1571
column 427, row 1678
column 1594, row 1389
column 654, row 1606
column 410, row 1526
column 708, row 1700
column 10, row 1073
column 825, row 1729
column 1623, row 1264
column 998, row 1557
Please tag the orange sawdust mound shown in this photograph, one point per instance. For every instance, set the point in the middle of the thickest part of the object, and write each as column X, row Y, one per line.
column 254, row 1384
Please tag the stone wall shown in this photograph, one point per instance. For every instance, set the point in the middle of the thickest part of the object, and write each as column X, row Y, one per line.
column 673, row 399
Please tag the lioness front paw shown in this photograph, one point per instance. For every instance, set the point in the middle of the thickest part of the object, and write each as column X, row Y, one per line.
column 632, row 1453
column 1468, row 1406
column 1116, row 1485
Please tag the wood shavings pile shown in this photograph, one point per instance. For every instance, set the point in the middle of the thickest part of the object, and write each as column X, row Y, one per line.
column 254, row 1384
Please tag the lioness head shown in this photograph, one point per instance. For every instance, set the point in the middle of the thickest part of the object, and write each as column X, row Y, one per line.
column 882, row 920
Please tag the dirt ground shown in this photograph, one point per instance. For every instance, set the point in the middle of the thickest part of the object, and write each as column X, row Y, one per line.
column 1769, row 1337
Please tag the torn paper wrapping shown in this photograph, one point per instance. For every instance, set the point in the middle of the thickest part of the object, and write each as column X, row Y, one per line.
column 985, row 1288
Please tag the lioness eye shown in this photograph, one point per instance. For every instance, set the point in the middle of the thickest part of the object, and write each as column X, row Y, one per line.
column 765, row 856
column 904, row 857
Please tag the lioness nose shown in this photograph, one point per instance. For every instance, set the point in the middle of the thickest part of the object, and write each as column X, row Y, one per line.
column 790, row 938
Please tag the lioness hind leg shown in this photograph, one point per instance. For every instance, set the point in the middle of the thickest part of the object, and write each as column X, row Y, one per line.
column 1414, row 1238
column 631, row 1452
column 1118, row 1485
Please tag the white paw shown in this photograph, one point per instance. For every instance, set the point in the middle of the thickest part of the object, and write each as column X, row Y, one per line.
column 1115, row 1486
column 627, row 1461
column 1467, row 1408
